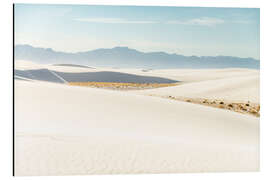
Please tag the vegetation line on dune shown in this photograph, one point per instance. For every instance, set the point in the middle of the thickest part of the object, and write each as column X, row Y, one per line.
column 240, row 107
column 122, row 86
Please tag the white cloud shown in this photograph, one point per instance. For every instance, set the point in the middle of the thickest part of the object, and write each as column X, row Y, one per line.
column 204, row 21
column 114, row 21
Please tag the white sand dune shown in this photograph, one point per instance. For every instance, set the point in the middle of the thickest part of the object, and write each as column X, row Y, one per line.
column 196, row 75
column 234, row 85
column 68, row 130
column 40, row 74
column 71, row 68
column 100, row 76
column 234, row 89
column 191, row 75
column 183, row 75
column 63, row 73
column 28, row 65
column 73, row 65
column 111, row 76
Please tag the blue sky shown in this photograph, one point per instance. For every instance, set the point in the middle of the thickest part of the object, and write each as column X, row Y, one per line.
column 182, row 30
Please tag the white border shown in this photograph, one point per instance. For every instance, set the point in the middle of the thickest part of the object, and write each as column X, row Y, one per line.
column 6, row 85
column 200, row 3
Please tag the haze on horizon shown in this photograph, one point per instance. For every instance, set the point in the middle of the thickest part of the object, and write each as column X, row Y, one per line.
column 182, row 30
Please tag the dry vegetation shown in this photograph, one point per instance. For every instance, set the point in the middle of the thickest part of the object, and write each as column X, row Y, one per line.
column 122, row 86
column 241, row 107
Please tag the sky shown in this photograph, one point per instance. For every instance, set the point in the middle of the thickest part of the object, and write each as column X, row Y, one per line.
column 182, row 30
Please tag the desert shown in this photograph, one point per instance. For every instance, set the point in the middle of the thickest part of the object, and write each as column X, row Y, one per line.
column 64, row 129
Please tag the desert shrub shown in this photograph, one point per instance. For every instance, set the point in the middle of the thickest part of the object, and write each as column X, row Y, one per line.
column 221, row 106
column 253, row 111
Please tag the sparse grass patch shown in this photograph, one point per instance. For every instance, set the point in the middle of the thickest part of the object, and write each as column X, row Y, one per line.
column 240, row 107
column 122, row 86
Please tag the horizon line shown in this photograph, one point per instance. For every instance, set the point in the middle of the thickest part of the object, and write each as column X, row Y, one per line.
column 136, row 50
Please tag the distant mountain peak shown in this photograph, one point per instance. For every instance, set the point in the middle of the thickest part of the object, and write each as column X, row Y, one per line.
column 123, row 56
column 124, row 49
column 121, row 47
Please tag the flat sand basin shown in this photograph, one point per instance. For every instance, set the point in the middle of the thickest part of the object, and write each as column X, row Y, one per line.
column 122, row 86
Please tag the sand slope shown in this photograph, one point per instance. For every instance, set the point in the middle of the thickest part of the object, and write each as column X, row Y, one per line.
column 63, row 73
column 67, row 130
column 234, row 84
column 234, row 89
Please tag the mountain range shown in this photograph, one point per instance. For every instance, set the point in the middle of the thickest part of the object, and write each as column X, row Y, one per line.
column 124, row 57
